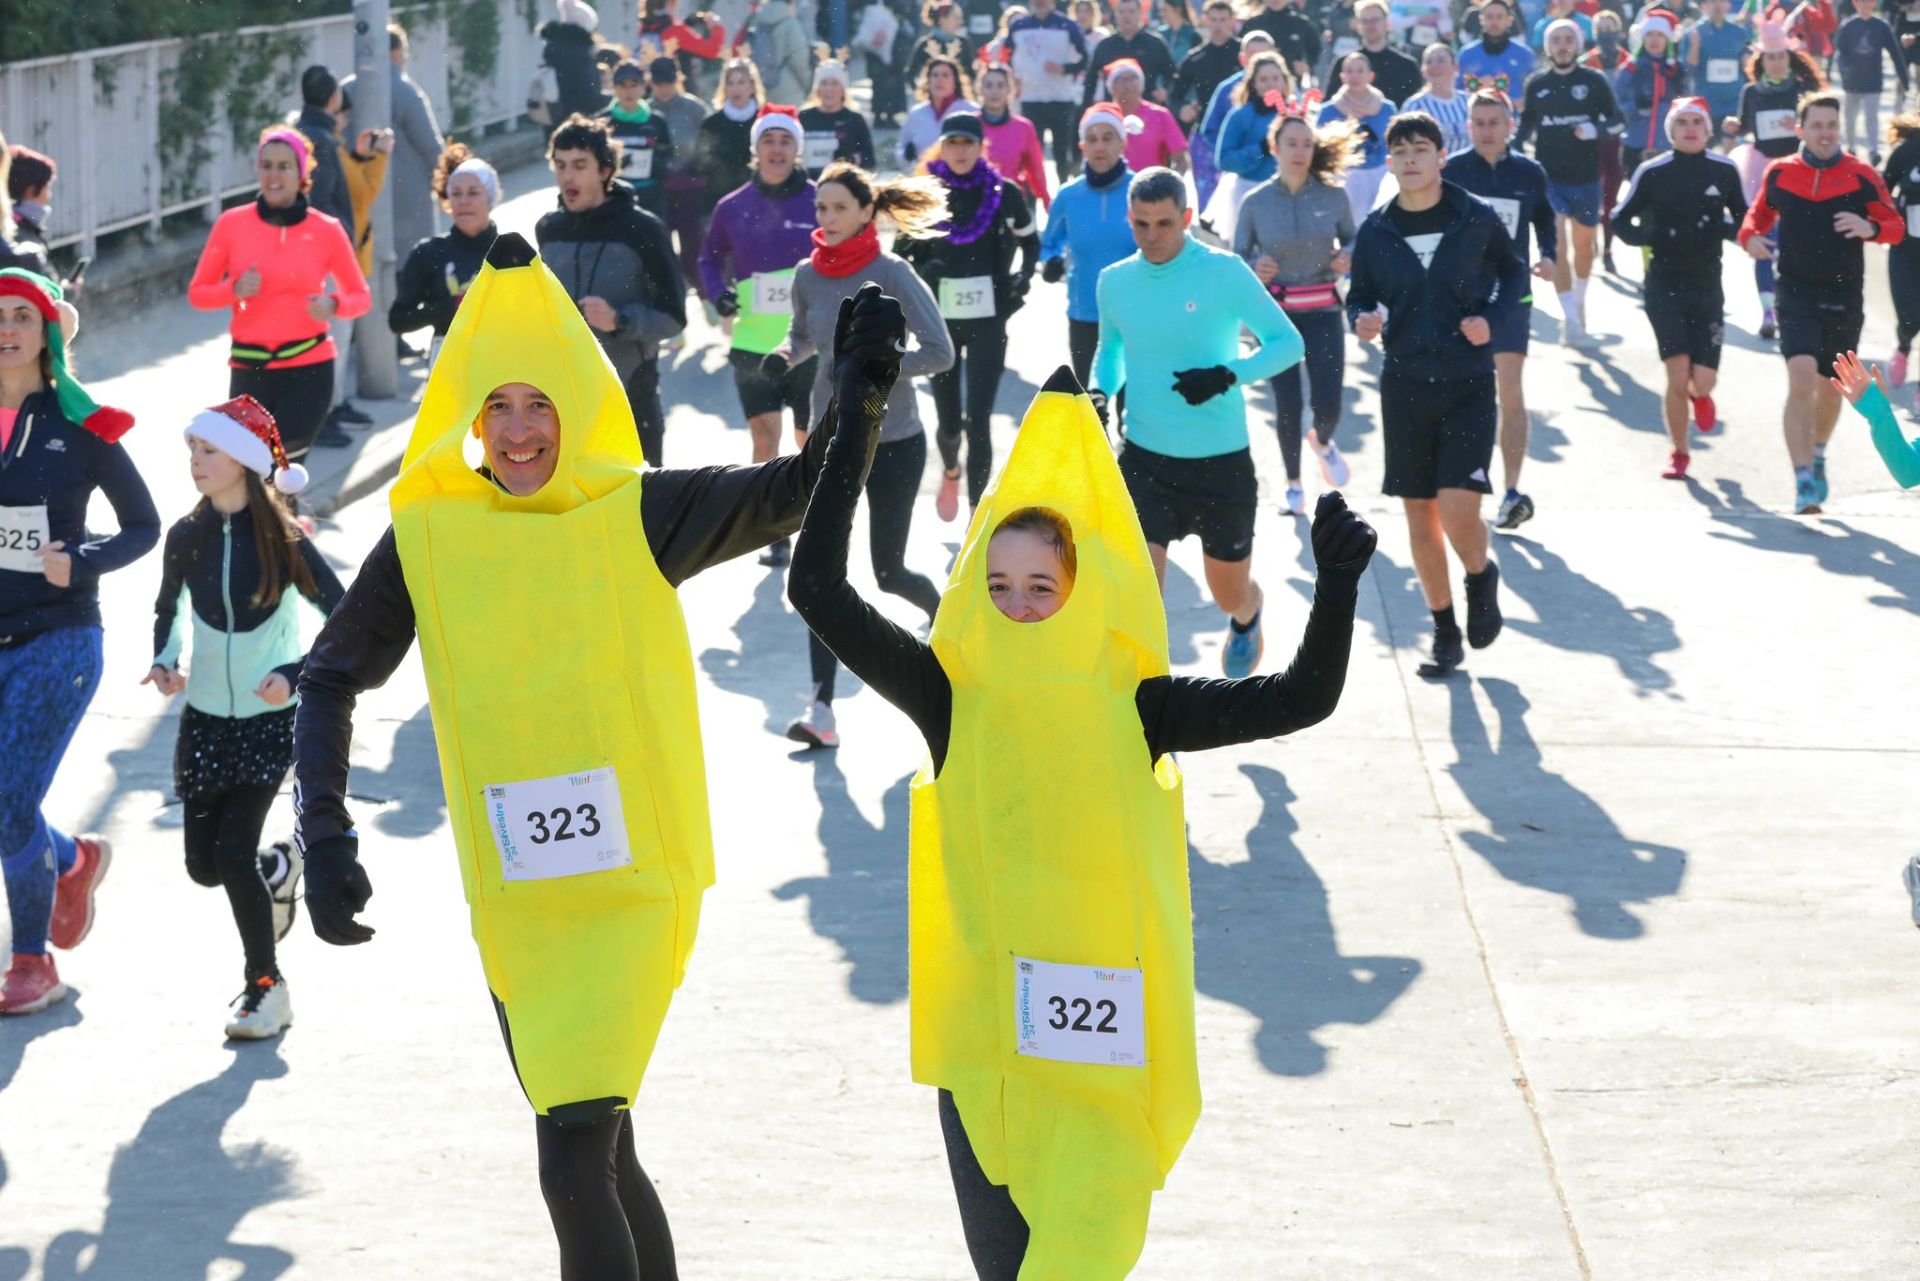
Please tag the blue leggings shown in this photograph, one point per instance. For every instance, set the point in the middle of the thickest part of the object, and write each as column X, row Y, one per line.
column 45, row 686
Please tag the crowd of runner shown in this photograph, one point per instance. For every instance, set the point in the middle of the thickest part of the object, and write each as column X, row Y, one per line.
column 1226, row 195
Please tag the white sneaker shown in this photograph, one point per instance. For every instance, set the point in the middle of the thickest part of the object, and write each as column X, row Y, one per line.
column 283, row 882
column 1333, row 467
column 1912, row 877
column 1573, row 332
column 1296, row 499
column 816, row 728
column 263, row 1010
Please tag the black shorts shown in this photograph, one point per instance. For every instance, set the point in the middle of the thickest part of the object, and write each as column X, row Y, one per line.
column 1439, row 435
column 760, row 394
column 1215, row 498
column 1688, row 319
column 1810, row 327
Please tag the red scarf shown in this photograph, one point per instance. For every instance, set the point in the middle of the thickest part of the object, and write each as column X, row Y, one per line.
column 847, row 257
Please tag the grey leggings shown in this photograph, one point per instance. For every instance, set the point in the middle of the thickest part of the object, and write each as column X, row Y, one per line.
column 1869, row 103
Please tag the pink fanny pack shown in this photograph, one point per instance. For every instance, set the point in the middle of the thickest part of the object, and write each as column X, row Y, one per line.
column 1308, row 297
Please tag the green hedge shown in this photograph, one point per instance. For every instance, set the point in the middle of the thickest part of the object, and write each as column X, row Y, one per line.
column 38, row 28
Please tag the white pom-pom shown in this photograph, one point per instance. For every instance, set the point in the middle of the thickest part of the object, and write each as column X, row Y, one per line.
column 1136, row 125
column 290, row 479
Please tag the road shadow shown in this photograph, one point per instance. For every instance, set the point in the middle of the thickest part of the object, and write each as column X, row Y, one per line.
column 1399, row 589
column 409, row 791
column 16, row 1034
column 861, row 903
column 1263, row 938
column 175, row 1194
column 1621, row 394
column 1834, row 545
column 770, row 663
column 1191, row 613
column 1582, row 617
column 1545, row 440
column 1548, row 834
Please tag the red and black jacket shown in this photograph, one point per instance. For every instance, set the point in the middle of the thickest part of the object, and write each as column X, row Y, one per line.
column 1801, row 195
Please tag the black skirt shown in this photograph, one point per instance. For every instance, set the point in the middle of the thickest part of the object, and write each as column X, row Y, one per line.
column 216, row 754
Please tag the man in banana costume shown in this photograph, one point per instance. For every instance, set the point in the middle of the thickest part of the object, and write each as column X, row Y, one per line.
column 541, row 584
column 1050, row 937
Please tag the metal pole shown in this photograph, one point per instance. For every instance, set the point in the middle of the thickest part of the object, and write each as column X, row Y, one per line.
column 373, row 109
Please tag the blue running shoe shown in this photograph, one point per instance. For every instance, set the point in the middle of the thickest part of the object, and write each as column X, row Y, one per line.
column 1241, row 654
column 1819, row 480
column 1806, row 496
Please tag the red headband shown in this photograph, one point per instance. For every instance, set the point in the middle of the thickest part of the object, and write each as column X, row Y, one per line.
column 15, row 287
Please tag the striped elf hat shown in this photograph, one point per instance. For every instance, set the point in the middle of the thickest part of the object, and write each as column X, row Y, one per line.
column 76, row 405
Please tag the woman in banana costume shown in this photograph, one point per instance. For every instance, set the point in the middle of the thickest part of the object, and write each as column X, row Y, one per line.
column 541, row 585
column 1050, row 939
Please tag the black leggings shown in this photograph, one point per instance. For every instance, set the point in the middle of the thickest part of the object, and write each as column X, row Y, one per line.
column 1324, row 365
column 606, row 1214
column 979, row 358
column 298, row 399
column 995, row 1229
column 1058, row 120
column 1903, row 276
column 1083, row 339
column 892, row 486
column 223, row 848
column 643, row 394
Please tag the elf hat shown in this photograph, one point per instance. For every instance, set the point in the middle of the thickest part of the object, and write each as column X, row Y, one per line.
column 776, row 116
column 244, row 431
column 75, row 404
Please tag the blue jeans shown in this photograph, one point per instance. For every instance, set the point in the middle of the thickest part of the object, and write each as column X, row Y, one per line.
column 45, row 686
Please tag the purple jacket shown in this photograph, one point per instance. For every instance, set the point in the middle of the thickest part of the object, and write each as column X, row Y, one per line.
column 755, row 229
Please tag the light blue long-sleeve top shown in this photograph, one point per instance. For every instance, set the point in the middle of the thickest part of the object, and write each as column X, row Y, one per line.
column 1157, row 320
column 1088, row 227
column 1243, row 143
column 1902, row 456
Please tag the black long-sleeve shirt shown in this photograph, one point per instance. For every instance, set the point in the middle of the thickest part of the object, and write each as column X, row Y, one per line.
column 693, row 519
column 992, row 253
column 1145, row 48
column 1683, row 206
column 1177, row 713
column 1557, row 105
column 434, row 279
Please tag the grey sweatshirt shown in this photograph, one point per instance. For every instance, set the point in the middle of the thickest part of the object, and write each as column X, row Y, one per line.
column 1300, row 231
column 816, row 309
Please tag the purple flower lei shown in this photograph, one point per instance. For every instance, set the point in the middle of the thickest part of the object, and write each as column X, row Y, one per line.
column 982, row 175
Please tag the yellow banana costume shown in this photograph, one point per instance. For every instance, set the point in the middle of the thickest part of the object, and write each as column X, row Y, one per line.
column 561, row 684
column 1049, row 837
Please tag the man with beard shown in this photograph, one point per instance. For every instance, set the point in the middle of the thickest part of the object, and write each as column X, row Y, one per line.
column 1496, row 60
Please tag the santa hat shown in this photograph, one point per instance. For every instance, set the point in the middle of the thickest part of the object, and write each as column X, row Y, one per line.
column 1559, row 25
column 777, row 116
column 75, row 404
column 1121, row 66
column 1106, row 113
column 244, row 431
column 1658, row 22
column 1687, row 107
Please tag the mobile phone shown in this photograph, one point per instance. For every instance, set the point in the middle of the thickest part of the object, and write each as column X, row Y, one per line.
column 79, row 270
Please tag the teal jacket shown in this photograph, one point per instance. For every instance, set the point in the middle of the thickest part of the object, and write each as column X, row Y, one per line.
column 1902, row 456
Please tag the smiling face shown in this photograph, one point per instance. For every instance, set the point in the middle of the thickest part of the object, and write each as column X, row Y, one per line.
column 838, row 213
column 833, row 94
column 1026, row 579
column 278, row 170
column 1820, row 131
column 774, row 155
column 521, row 431
column 583, row 183
column 23, row 336
column 214, row 471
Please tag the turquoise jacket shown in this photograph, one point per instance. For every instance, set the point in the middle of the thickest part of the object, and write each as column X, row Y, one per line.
column 1902, row 456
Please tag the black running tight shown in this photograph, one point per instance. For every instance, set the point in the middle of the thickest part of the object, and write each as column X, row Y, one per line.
column 892, row 486
column 1903, row 276
column 223, row 848
column 996, row 1231
column 606, row 1214
column 979, row 358
column 1323, row 367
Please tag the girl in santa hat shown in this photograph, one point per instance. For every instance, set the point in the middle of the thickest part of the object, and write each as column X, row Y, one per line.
column 231, row 562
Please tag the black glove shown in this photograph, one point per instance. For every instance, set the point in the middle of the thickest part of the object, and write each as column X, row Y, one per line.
column 869, row 337
column 728, row 303
column 1017, row 293
column 1053, row 270
column 337, row 891
column 774, row 365
column 1199, row 386
column 1342, row 542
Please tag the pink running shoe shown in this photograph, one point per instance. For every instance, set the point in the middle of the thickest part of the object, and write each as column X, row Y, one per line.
column 31, row 985
column 1677, row 466
column 946, row 504
column 1705, row 416
column 73, row 893
column 1897, row 369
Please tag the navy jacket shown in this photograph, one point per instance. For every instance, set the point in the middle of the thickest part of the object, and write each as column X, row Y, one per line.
column 329, row 193
column 51, row 462
column 1516, row 178
column 1474, row 272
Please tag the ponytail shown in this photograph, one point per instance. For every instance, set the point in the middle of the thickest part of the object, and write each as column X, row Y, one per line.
column 917, row 206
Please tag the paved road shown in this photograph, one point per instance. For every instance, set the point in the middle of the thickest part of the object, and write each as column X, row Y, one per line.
column 1588, row 963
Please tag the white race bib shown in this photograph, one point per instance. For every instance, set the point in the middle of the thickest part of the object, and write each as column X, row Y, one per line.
column 1913, row 220
column 1079, row 1013
column 1423, row 36
column 1509, row 211
column 1723, row 71
column 980, row 24
column 637, row 163
column 567, row 825
column 1771, row 126
column 23, row 536
column 817, row 151
column 969, row 298
column 773, row 293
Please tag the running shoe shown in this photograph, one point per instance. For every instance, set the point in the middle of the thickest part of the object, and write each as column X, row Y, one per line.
column 816, row 728
column 1897, row 369
column 31, row 985
column 1241, row 654
column 1483, row 607
column 1911, row 875
column 946, row 503
column 1515, row 511
column 1333, row 467
column 1705, row 415
column 1296, row 500
column 1677, row 466
column 1443, row 658
column 1606, row 261
column 73, row 892
column 779, row 555
column 1573, row 333
column 1819, row 480
column 348, row 412
column 263, row 1010
column 1768, row 326
column 283, row 882
column 1806, row 497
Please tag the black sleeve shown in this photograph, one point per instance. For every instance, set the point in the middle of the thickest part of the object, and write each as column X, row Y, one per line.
column 1632, row 219
column 365, row 638
column 1195, row 714
column 1736, row 200
column 416, row 301
column 1093, row 90
column 1747, row 123
column 1545, row 233
column 862, row 143
column 1017, row 212
column 667, row 292
column 898, row 665
column 1611, row 121
column 695, row 518
column 174, row 559
column 133, row 511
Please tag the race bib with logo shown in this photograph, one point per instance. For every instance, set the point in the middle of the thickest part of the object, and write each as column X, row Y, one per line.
column 23, row 536
column 773, row 293
column 1509, row 211
column 636, row 163
column 968, row 298
column 1079, row 1013
column 1723, row 71
column 1771, row 126
column 816, row 152
column 567, row 825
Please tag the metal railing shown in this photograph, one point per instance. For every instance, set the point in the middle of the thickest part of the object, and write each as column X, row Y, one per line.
column 99, row 114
